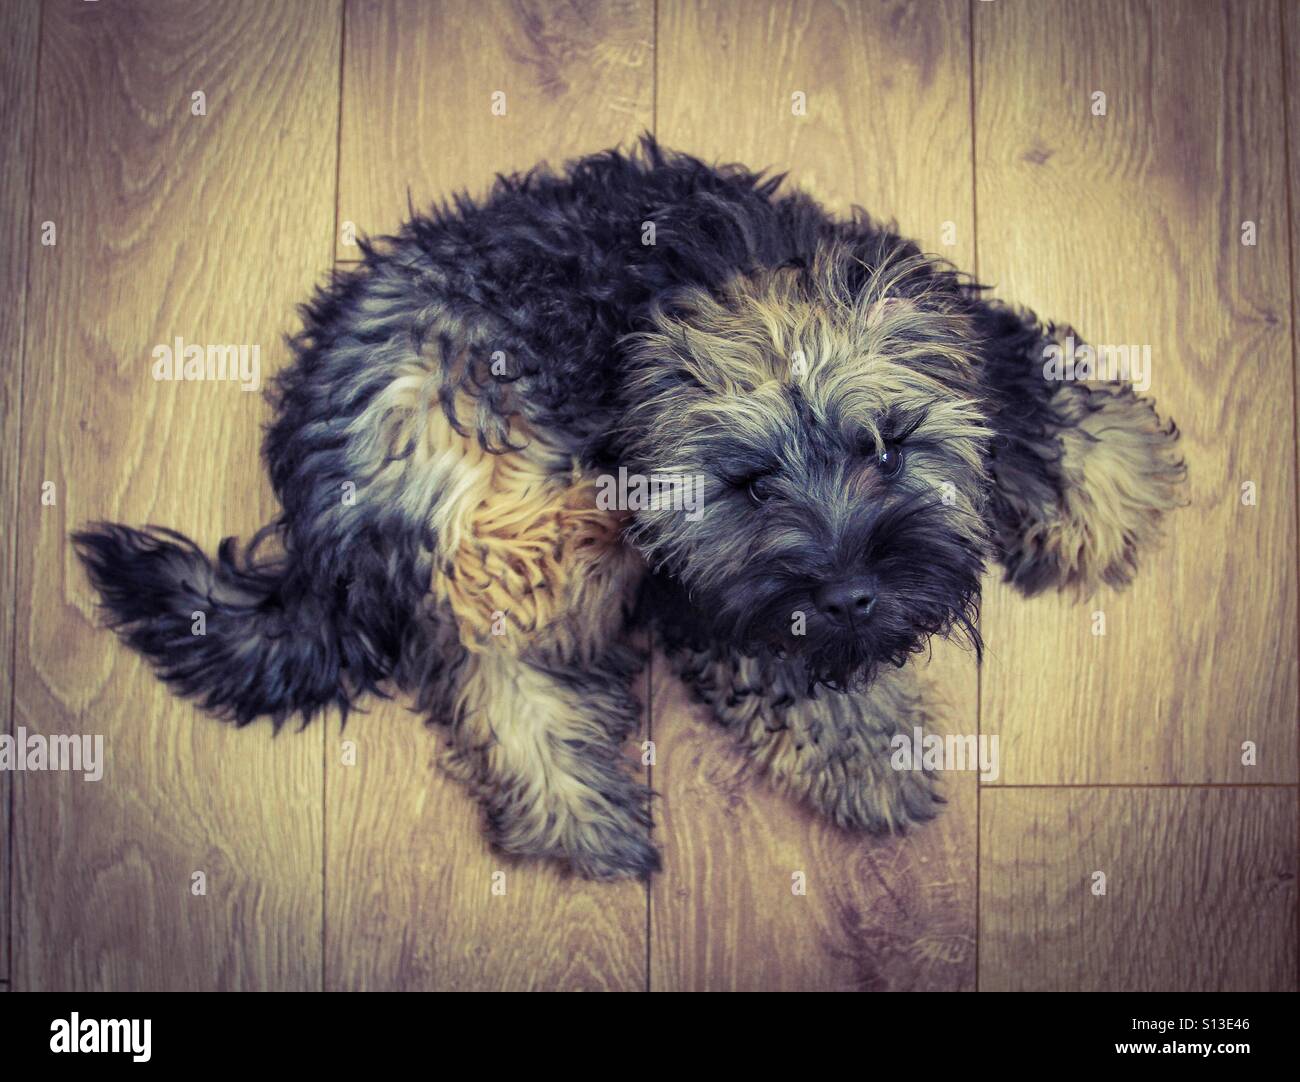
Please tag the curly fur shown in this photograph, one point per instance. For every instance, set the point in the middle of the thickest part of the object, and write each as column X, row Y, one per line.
column 456, row 397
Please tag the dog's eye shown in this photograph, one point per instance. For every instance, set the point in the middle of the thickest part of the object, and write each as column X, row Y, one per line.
column 890, row 459
column 759, row 488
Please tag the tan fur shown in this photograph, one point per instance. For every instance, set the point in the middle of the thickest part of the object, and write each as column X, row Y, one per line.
column 519, row 533
column 525, row 545
column 860, row 351
column 1121, row 472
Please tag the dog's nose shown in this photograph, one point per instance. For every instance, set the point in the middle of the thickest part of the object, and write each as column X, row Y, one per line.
column 847, row 600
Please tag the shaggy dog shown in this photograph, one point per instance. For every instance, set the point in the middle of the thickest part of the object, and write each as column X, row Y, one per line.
column 857, row 426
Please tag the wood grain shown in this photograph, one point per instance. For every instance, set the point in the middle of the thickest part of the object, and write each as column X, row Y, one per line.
column 878, row 915
column 1129, row 226
column 419, row 85
column 1200, row 889
column 21, row 25
column 408, row 870
column 168, row 224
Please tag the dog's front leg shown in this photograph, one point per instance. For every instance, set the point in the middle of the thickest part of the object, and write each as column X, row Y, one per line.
column 1082, row 467
column 832, row 750
column 542, row 748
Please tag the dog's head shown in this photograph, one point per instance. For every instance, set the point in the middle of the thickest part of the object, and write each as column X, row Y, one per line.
column 832, row 418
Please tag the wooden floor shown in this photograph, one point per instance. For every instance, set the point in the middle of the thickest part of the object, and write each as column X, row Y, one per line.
column 976, row 125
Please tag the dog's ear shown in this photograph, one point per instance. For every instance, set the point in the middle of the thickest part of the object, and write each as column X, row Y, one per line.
column 1082, row 468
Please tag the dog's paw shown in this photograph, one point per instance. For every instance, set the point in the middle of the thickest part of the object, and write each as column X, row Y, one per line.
column 606, row 834
column 600, row 832
column 1120, row 472
column 856, row 785
column 607, row 850
column 880, row 801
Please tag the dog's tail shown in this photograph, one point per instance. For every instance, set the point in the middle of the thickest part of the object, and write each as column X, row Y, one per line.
column 238, row 635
